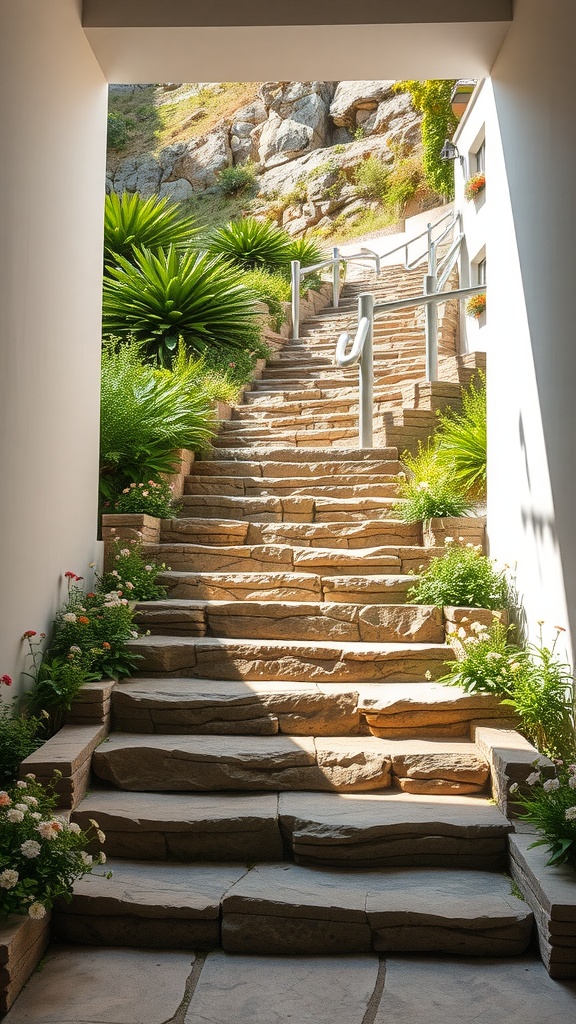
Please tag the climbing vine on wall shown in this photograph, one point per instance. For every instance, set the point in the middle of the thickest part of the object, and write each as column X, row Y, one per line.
column 432, row 99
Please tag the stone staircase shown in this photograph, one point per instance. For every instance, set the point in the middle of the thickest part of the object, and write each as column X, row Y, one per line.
column 281, row 777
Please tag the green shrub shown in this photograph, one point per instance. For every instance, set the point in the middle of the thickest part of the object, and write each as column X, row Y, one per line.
column 19, row 736
column 252, row 244
column 235, row 366
column 308, row 251
column 273, row 289
column 118, row 131
column 150, row 498
column 460, row 441
column 462, row 576
column 406, row 180
column 543, row 695
column 371, row 178
column 234, row 180
column 429, row 490
column 96, row 629
column 133, row 574
column 58, row 681
column 146, row 415
column 131, row 222
column 164, row 297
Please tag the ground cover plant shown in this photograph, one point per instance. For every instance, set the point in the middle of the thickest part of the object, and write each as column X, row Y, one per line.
column 41, row 855
column 550, row 806
column 131, row 572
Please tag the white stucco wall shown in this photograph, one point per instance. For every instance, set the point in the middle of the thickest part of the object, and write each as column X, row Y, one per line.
column 53, row 101
column 531, row 154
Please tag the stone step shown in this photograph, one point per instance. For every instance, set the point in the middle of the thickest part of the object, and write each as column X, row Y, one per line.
column 280, row 909
column 283, row 909
column 345, row 764
column 284, row 660
column 345, row 830
column 321, row 454
column 384, row 560
column 300, row 508
column 299, row 438
column 291, row 620
column 304, row 469
column 369, row 533
column 226, row 707
column 286, row 586
column 328, row 487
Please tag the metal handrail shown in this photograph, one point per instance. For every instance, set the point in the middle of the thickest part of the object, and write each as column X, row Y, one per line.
column 297, row 272
column 363, row 354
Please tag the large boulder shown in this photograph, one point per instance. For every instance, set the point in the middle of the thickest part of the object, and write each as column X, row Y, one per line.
column 199, row 161
column 137, row 174
column 396, row 118
column 352, row 97
column 297, row 123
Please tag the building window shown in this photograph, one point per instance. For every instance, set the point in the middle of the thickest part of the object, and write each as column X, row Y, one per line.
column 481, row 271
column 480, row 158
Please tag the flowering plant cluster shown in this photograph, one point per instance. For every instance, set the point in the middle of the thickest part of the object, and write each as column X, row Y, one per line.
column 153, row 498
column 551, row 807
column 476, row 305
column 19, row 736
column 475, row 185
column 40, row 854
column 462, row 576
column 532, row 680
column 135, row 576
column 94, row 628
column 428, row 489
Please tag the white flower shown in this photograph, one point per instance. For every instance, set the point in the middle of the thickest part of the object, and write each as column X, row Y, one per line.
column 36, row 815
column 69, row 617
column 533, row 778
column 30, row 800
column 101, row 836
column 476, row 627
column 86, row 859
column 102, row 858
column 448, row 540
column 570, row 814
column 75, row 649
column 514, row 787
column 22, row 807
column 428, row 674
column 21, row 784
column 551, row 785
column 47, row 829
column 30, row 775
column 124, row 552
column 30, row 848
column 115, row 573
column 572, row 782
column 74, row 827
column 129, row 586
column 134, row 634
column 8, row 879
column 493, row 656
column 37, row 911
column 148, row 568
column 461, row 633
column 14, row 815
column 423, row 486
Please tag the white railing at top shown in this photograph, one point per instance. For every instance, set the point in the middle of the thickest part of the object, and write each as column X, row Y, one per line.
column 297, row 272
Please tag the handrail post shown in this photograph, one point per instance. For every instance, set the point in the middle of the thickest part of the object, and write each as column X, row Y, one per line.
column 295, row 281
column 378, row 267
column 335, row 278
column 366, row 372
column 430, row 288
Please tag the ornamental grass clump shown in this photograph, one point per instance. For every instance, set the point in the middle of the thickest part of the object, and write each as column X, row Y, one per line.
column 41, row 855
column 550, row 806
column 462, row 576
column 428, row 489
column 131, row 573
column 460, row 441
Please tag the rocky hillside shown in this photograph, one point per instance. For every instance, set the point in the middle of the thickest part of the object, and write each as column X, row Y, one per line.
column 315, row 154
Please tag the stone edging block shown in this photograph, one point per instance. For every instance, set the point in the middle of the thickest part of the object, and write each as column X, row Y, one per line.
column 70, row 752
column 92, row 706
column 551, row 894
column 511, row 759
column 23, row 942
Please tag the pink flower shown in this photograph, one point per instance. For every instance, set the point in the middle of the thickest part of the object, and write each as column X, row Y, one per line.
column 5, row 800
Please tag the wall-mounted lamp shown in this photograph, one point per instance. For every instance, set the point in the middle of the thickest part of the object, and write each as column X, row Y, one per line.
column 450, row 151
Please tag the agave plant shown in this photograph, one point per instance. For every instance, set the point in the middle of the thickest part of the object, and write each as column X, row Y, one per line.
column 166, row 296
column 146, row 415
column 307, row 251
column 252, row 244
column 131, row 222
